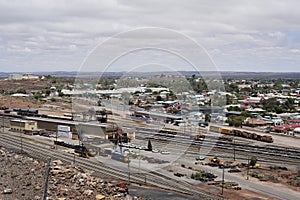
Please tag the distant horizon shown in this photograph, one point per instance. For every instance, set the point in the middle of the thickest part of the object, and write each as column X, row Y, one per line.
column 204, row 74
column 74, row 71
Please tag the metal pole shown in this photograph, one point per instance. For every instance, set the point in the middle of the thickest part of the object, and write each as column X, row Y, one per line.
column 139, row 160
column 3, row 114
column 46, row 178
column 233, row 149
column 56, row 139
column 21, row 135
column 21, row 143
column 223, row 181
column 248, row 168
column 128, row 174
column 3, row 122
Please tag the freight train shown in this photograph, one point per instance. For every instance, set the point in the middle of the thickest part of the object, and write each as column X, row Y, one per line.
column 243, row 134
column 26, row 111
column 79, row 149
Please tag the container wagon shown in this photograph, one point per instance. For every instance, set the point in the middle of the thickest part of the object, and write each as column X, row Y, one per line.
column 214, row 129
column 266, row 138
column 236, row 132
column 225, row 131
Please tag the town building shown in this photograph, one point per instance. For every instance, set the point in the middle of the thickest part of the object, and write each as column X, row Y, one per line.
column 23, row 125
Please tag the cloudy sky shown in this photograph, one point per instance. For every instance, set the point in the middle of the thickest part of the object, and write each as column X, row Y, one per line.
column 47, row 35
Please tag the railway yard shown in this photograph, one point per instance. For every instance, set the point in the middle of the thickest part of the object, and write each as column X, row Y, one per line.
column 144, row 154
column 175, row 169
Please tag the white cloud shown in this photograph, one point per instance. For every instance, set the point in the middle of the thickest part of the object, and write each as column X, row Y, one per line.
column 33, row 32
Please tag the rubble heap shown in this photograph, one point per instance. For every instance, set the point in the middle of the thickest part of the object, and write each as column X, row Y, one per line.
column 23, row 177
column 73, row 182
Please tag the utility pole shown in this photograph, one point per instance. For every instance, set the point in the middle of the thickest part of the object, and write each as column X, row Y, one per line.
column 56, row 139
column 139, row 160
column 3, row 114
column 233, row 149
column 21, row 137
column 128, row 173
column 3, row 122
column 248, row 168
column 223, row 181
column 46, row 178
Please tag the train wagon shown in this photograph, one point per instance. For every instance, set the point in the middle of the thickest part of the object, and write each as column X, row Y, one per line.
column 266, row 138
column 236, row 132
column 214, row 129
column 225, row 131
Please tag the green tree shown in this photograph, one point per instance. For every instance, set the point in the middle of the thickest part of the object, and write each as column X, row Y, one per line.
column 207, row 117
column 21, row 90
column 236, row 120
column 38, row 95
column 253, row 161
column 158, row 98
column 149, row 145
column 47, row 92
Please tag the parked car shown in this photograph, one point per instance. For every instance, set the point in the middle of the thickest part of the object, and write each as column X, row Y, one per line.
column 45, row 134
column 165, row 152
column 200, row 158
column 155, row 151
column 104, row 154
column 234, row 170
column 143, row 148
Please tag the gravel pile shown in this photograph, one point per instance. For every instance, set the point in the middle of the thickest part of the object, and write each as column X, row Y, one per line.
column 23, row 177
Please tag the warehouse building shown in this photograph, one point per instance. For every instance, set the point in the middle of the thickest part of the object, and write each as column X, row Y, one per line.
column 23, row 125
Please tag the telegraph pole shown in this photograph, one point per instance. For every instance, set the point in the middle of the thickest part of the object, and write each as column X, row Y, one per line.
column 248, row 168
column 139, row 160
column 21, row 137
column 46, row 178
column 3, row 114
column 128, row 173
column 233, row 149
column 223, row 181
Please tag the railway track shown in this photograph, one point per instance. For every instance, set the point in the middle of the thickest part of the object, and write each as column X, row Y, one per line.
column 100, row 169
column 265, row 153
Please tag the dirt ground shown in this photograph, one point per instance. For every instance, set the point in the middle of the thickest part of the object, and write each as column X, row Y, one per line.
column 276, row 175
column 18, row 102
column 236, row 195
column 27, row 85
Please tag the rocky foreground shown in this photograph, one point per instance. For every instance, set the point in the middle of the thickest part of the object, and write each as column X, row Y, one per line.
column 23, row 177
